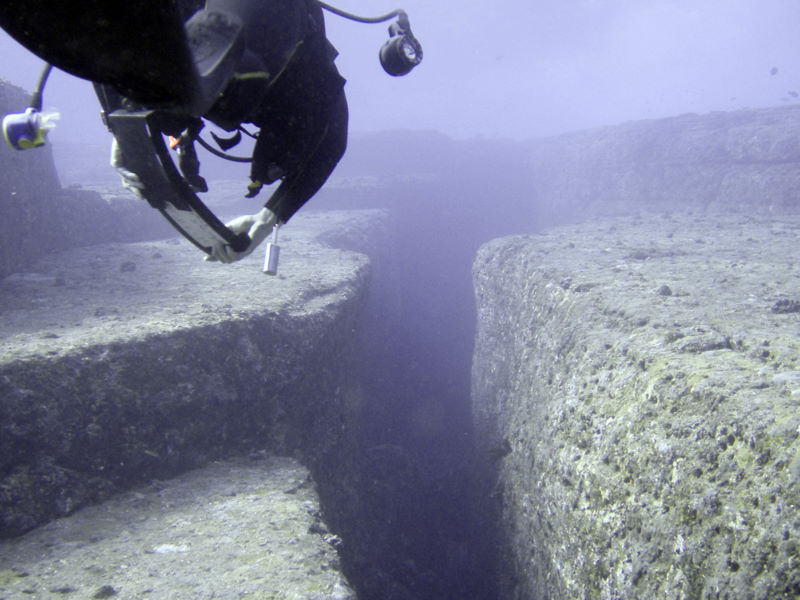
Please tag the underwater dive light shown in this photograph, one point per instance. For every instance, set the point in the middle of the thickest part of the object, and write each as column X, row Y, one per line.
column 28, row 129
column 24, row 130
column 402, row 51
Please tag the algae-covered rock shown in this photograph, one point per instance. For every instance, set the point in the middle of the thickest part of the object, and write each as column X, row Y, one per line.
column 644, row 444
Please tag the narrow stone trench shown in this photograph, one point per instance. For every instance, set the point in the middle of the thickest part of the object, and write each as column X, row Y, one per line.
column 424, row 529
column 423, row 534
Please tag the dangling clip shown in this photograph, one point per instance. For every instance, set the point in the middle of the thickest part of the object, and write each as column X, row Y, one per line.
column 273, row 252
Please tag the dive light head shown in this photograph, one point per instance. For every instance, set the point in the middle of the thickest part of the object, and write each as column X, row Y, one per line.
column 27, row 130
column 402, row 51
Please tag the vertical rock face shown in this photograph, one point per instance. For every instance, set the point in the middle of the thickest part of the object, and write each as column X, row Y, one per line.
column 133, row 361
column 636, row 391
column 28, row 181
column 717, row 161
column 38, row 216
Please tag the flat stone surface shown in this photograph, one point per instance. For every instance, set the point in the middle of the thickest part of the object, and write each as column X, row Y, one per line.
column 117, row 292
column 121, row 363
column 233, row 530
column 637, row 382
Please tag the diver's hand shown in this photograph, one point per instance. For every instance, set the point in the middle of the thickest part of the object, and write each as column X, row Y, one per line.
column 257, row 226
column 130, row 180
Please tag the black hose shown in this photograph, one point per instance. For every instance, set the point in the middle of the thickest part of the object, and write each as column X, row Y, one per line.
column 36, row 97
column 338, row 11
column 210, row 148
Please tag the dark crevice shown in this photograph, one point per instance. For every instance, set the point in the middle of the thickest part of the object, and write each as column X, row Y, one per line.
column 417, row 520
column 420, row 532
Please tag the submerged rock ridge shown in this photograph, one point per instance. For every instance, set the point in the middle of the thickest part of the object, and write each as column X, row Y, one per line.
column 39, row 216
column 636, row 395
column 127, row 362
column 714, row 161
column 244, row 528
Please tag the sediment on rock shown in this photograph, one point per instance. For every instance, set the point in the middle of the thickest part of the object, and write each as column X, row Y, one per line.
column 636, row 392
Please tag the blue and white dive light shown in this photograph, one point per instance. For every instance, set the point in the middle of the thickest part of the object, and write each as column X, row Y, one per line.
column 26, row 130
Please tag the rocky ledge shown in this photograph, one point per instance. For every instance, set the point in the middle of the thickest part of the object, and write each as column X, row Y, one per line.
column 247, row 528
column 636, row 385
column 128, row 362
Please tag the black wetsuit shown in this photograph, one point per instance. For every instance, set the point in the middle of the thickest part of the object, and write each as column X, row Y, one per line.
column 288, row 86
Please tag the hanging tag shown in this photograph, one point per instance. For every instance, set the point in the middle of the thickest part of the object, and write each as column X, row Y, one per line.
column 273, row 253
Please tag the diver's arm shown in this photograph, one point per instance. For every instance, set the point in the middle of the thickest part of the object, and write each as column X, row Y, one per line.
column 297, row 188
column 294, row 191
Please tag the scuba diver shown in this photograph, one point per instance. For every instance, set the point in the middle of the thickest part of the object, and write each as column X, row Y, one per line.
column 288, row 87
column 266, row 63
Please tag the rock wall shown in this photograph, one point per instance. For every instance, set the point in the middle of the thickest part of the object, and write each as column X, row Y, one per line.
column 25, row 179
column 127, row 362
column 718, row 161
column 38, row 216
column 636, row 394
column 242, row 528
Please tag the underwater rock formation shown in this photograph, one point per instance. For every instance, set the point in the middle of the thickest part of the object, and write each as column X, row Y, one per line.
column 245, row 528
column 38, row 216
column 636, row 393
column 126, row 362
column 718, row 161
column 26, row 180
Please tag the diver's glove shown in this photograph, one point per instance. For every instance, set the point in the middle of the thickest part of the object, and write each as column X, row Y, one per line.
column 257, row 226
column 130, row 180
column 253, row 188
